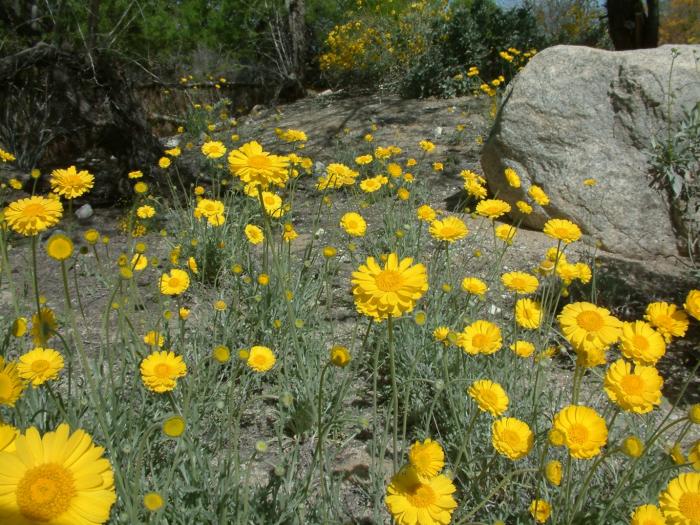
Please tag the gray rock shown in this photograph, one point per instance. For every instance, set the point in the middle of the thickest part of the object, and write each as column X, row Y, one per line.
column 84, row 212
column 576, row 113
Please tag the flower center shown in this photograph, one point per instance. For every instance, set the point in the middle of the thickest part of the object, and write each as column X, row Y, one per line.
column 448, row 231
column 259, row 162
column 488, row 397
column 640, row 342
column 577, row 434
column 480, row 340
column 689, row 505
column 589, row 320
column 421, row 495
column 40, row 365
column 72, row 181
column 389, row 281
column 511, row 437
column 174, row 282
column 33, row 210
column 632, row 385
column 45, row 492
column 162, row 370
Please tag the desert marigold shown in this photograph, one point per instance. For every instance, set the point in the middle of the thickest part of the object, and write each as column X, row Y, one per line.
column 588, row 327
column 254, row 234
column 641, row 343
column 562, row 230
column 11, row 385
column 520, row 282
column 389, row 291
column 426, row 458
column 44, row 326
column 492, row 208
column 474, row 285
column 161, row 370
column 524, row 207
column 6, row 156
column 40, row 365
column 33, row 215
column 552, row 471
column 523, row 348
column 632, row 446
column 154, row 338
column 372, row 184
column 272, row 204
column 337, row 176
column 212, row 210
column 426, row 213
column 409, row 496
column 175, row 282
column 528, row 313
column 213, row 149
column 60, row 477
column 694, row 455
column 512, row 177
column 353, row 224
column 680, row 501
column 339, row 356
column 260, row 359
column 506, row 233
column 480, row 337
column 692, row 304
column 647, row 515
column 538, row 195
column 164, row 162
column 153, row 501
column 8, row 435
column 19, row 327
column 92, row 236
column 174, row 426
column 221, row 353
column 59, row 247
column 489, row 396
column 449, row 229
column 583, row 430
column 667, row 319
column 633, row 388
column 70, row 183
column 254, row 166
column 511, row 437
column 145, row 212
column 540, row 510
column 136, row 174
column 138, row 262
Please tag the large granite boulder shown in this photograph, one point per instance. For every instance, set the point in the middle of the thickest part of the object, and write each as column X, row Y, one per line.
column 576, row 113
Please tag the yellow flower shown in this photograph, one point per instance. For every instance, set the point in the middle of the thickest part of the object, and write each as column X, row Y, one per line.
column 590, row 182
column 524, row 207
column 363, row 159
column 506, row 233
column 694, row 414
column 70, row 183
column 43, row 326
column 254, row 234
column 523, row 348
column 489, row 397
column 408, row 497
column 137, row 174
column 694, row 456
column 474, row 285
column 40, row 365
column 174, row 283
column 492, row 208
column 588, row 327
column 145, row 212
column 174, row 426
column 403, row 194
column 583, row 430
column 540, row 510
column 173, row 152
column 292, row 135
column 164, row 162
column 154, row 338
column 213, row 149
column 528, row 313
column 60, row 477
column 668, row 320
column 153, row 501
column 520, row 282
column 635, row 389
column 92, row 236
column 425, row 213
column 256, row 167
column 221, row 353
column 511, row 437
column 161, row 370
column 11, row 385
column 260, row 359
column 140, row 187
column 562, row 230
column 59, row 247
column 552, row 471
column 263, row 279
column 273, row 204
column 449, row 229
column 538, row 195
column 632, row 446
column 353, row 224
column 337, row 176
column 647, row 515
column 427, row 458
column 389, row 291
column 680, row 502
column 6, row 156
column 8, row 435
column 692, row 303
column 212, row 210
column 438, row 166
column 220, row 305
column 512, row 178
column 373, row 184
column 426, row 146
column 480, row 337
column 33, row 215
column 339, row 356
column 19, row 327
column 329, row 251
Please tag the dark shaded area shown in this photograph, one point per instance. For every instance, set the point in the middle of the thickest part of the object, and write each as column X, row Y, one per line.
column 633, row 24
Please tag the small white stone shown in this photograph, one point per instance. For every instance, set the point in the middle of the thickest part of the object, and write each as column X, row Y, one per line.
column 84, row 212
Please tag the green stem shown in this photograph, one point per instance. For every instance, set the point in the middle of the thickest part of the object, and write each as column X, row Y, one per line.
column 394, row 393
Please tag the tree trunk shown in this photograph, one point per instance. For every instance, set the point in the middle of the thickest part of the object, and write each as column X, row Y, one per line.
column 296, row 20
column 633, row 24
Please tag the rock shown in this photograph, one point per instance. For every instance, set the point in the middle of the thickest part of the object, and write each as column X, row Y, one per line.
column 84, row 213
column 576, row 113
